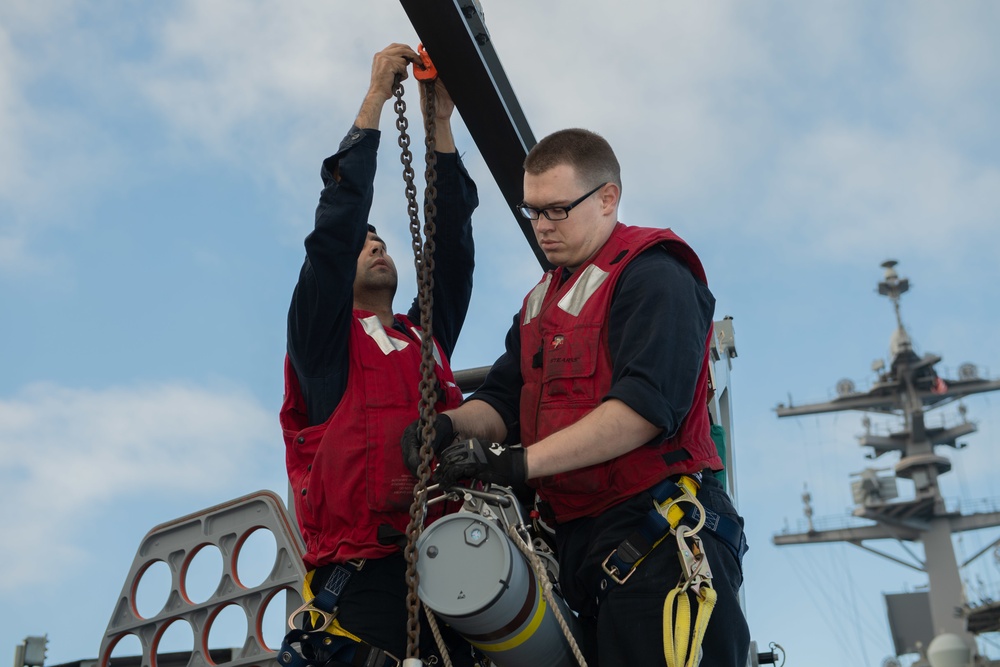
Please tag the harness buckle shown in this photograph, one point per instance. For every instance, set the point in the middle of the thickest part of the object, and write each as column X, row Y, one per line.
column 613, row 572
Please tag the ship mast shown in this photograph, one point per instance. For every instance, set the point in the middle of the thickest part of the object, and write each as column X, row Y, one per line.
column 909, row 388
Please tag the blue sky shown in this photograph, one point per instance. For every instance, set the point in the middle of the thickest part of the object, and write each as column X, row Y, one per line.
column 159, row 168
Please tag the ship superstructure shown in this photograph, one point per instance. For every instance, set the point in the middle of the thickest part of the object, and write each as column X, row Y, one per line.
column 909, row 388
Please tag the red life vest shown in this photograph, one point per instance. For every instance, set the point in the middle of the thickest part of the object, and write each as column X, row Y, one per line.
column 347, row 475
column 567, row 370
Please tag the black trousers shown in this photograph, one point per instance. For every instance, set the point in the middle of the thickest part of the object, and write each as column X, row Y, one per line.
column 373, row 607
column 626, row 628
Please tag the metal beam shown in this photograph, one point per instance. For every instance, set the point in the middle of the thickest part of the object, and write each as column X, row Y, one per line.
column 964, row 522
column 459, row 44
column 980, row 552
column 469, row 379
column 878, row 400
column 859, row 402
column 848, row 535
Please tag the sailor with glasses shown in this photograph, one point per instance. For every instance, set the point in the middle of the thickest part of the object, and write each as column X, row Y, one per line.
column 604, row 383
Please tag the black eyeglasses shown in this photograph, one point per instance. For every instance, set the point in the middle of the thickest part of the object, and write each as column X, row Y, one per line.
column 554, row 212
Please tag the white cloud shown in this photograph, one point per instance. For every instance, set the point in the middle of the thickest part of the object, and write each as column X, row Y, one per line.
column 53, row 155
column 695, row 97
column 671, row 85
column 241, row 77
column 951, row 50
column 67, row 453
column 13, row 149
column 10, row 111
column 841, row 189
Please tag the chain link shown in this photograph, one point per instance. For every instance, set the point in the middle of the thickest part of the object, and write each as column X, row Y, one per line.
column 423, row 257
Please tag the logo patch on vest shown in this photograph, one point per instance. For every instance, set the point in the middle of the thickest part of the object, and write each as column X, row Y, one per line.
column 557, row 341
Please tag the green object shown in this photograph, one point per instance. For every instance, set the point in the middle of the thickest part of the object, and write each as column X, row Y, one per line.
column 719, row 437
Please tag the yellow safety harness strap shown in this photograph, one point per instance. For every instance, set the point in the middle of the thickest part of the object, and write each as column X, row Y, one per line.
column 328, row 640
column 318, row 619
column 681, row 640
column 658, row 523
column 679, row 635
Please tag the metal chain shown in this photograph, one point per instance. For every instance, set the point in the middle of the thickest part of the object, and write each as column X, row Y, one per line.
column 423, row 257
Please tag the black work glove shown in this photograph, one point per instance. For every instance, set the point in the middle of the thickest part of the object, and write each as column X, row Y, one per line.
column 444, row 434
column 493, row 463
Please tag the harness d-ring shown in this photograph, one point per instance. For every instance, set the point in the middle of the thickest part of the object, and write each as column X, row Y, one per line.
column 308, row 608
column 686, row 497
